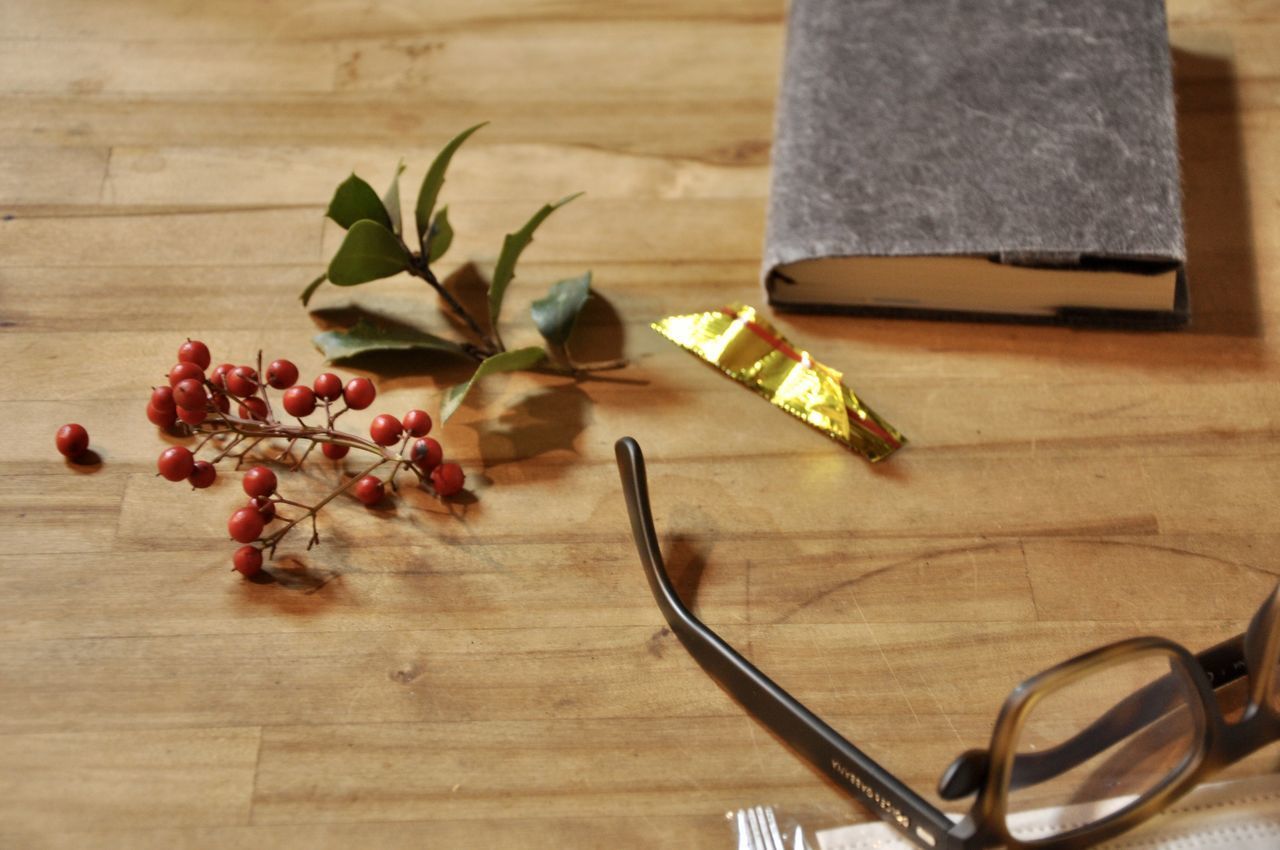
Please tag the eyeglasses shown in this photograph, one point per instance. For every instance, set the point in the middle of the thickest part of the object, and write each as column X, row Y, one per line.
column 1138, row 718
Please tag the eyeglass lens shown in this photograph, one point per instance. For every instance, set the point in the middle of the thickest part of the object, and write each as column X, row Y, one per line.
column 1153, row 739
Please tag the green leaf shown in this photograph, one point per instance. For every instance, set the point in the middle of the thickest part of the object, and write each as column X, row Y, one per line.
column 355, row 200
column 512, row 246
column 440, row 237
column 311, row 289
column 556, row 313
column 434, row 179
column 507, row 361
column 391, row 200
column 369, row 251
column 365, row 336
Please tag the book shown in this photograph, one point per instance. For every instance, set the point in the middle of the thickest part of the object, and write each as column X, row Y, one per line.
column 1012, row 158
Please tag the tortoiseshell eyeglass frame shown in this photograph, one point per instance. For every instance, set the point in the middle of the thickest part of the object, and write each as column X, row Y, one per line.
column 992, row 773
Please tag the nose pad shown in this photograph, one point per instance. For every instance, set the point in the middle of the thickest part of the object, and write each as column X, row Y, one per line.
column 964, row 776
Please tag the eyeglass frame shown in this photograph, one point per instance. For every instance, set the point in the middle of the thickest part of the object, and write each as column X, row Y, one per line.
column 1255, row 653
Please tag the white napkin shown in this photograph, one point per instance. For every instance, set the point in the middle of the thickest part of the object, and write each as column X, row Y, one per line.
column 1243, row 814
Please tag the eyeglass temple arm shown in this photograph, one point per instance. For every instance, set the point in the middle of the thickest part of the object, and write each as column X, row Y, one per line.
column 824, row 748
column 1223, row 664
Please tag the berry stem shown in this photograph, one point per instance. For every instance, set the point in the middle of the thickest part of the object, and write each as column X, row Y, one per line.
column 272, row 540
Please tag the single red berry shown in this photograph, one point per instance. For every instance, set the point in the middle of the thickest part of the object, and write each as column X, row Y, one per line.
column 163, row 418
column 247, row 560
column 264, row 506
column 176, row 463
column 299, row 401
column 369, row 490
column 259, row 481
column 386, row 430
column 162, row 398
column 189, row 394
column 417, row 423
column 192, row 417
column 328, row 386
column 242, row 381
column 448, row 479
column 202, row 474
column 426, row 453
column 184, row 370
column 245, row 525
column 219, row 375
column 221, row 402
column 72, row 440
column 194, row 351
column 253, row 408
column 358, row 393
column 334, row 451
column 282, row 374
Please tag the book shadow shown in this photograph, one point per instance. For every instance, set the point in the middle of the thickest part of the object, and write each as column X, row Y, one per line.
column 1221, row 265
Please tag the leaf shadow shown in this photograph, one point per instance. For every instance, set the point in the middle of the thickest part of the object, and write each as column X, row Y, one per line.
column 541, row 423
column 599, row 334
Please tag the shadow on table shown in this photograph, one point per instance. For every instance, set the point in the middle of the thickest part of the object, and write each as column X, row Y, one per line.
column 1220, row 250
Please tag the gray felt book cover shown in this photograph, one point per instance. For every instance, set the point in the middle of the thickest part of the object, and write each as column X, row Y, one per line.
column 1029, row 133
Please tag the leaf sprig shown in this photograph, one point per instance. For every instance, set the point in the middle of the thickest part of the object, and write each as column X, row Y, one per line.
column 374, row 248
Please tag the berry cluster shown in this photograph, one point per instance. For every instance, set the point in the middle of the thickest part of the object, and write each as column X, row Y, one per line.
column 202, row 401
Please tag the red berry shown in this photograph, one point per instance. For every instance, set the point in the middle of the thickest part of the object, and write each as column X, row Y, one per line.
column 299, row 401
column 189, row 394
column 448, row 479
column 163, row 418
column 282, row 374
column 264, row 506
column 162, row 398
column 72, row 440
column 242, row 381
column 194, row 351
column 426, row 453
column 386, row 429
column 219, row 376
column 333, row 451
column 358, row 393
column 184, row 370
column 192, row 417
column 259, row 481
column 247, row 560
column 417, row 423
column 221, row 402
column 176, row 463
column 245, row 525
column 202, row 474
column 328, row 386
column 253, row 408
column 369, row 490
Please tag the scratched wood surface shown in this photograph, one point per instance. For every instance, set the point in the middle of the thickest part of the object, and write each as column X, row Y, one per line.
column 498, row 675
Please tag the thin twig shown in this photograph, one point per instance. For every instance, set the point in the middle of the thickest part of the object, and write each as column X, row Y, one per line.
column 273, row 540
column 419, row 268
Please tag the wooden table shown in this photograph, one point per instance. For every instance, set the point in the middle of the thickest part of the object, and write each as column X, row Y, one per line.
column 496, row 674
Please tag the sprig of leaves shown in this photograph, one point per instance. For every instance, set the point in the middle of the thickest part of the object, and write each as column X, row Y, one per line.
column 375, row 248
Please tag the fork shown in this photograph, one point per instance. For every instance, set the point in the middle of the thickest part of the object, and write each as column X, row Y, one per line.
column 758, row 830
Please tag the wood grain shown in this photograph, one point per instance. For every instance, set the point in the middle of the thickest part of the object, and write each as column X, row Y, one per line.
column 496, row 672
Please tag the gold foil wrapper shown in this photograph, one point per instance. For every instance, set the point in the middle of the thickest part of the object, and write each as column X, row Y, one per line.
column 748, row 349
